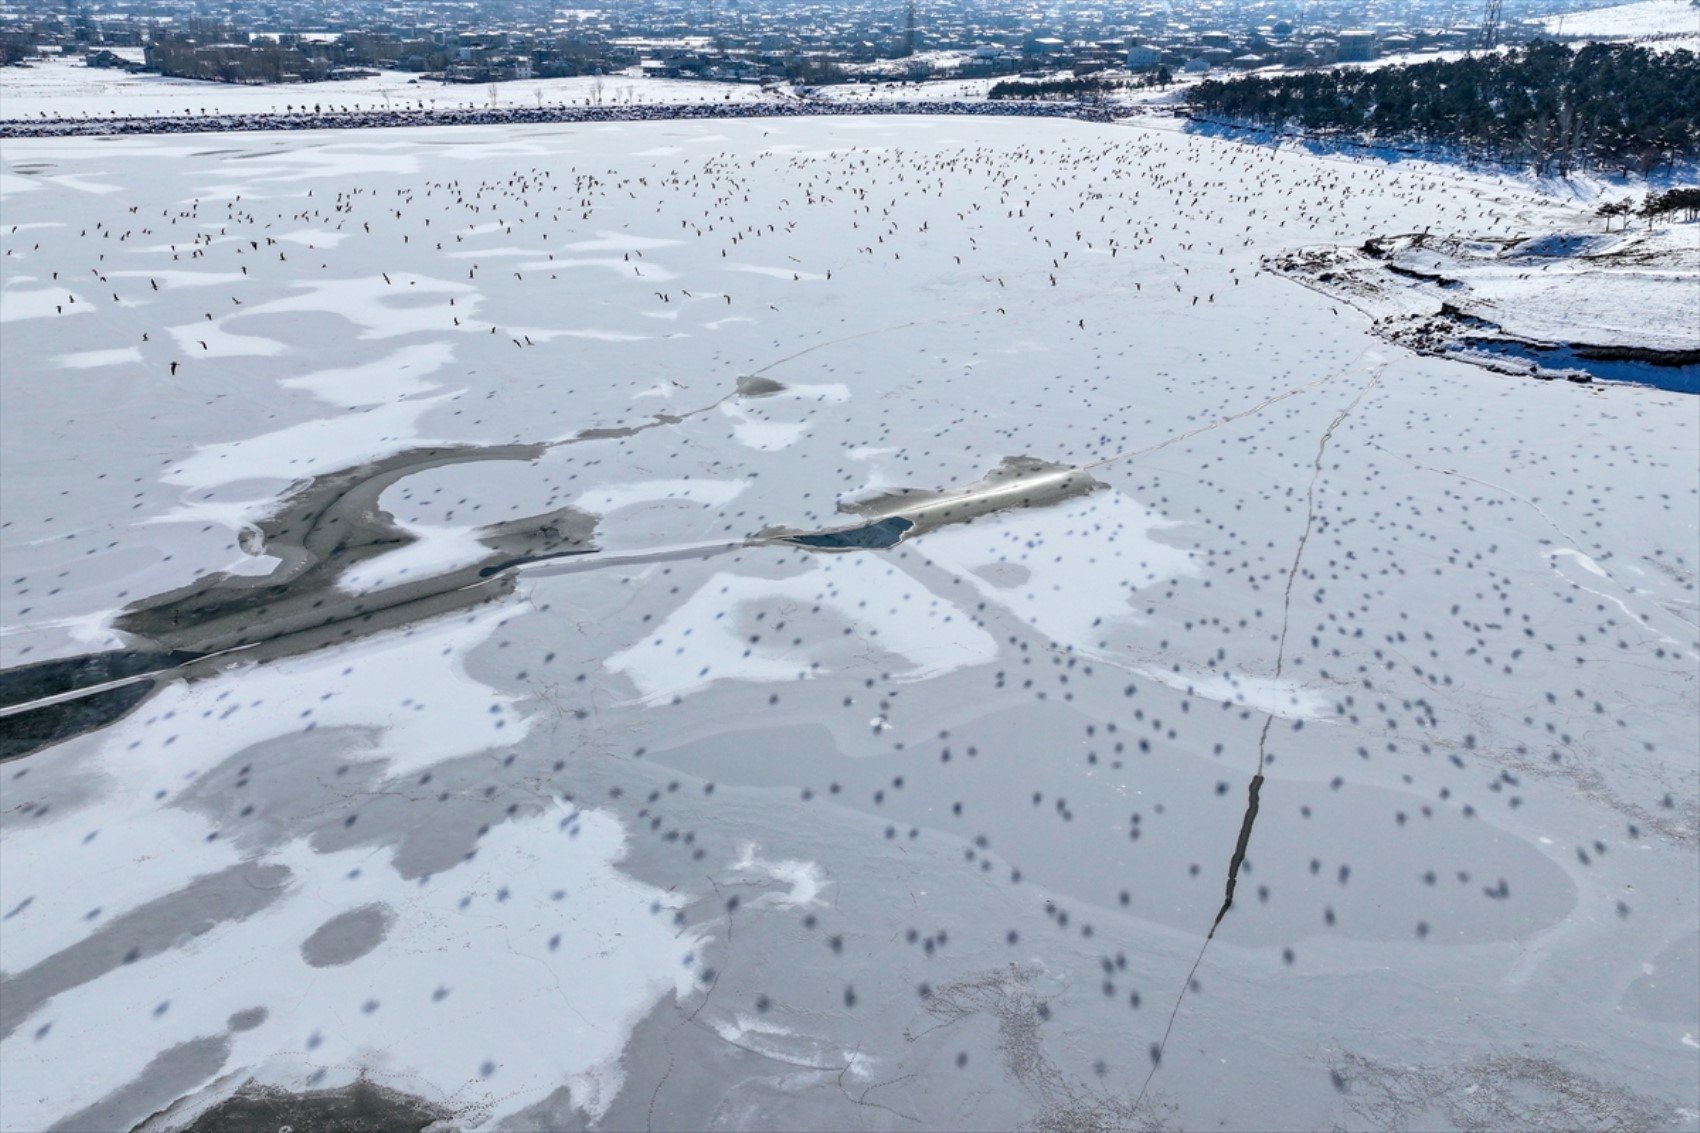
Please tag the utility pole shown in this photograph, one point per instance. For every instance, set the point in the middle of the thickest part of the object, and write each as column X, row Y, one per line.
column 1489, row 37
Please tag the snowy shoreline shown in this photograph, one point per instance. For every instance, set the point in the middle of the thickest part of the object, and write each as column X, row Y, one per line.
column 1575, row 305
column 533, row 116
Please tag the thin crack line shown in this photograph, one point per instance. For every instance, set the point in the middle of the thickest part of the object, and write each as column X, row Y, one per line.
column 1256, row 785
column 1218, row 423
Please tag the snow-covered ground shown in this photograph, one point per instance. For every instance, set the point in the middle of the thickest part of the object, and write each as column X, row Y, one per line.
column 1630, row 21
column 67, row 88
column 1626, row 298
column 708, row 829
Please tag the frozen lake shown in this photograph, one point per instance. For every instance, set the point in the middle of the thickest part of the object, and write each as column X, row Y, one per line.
column 803, row 624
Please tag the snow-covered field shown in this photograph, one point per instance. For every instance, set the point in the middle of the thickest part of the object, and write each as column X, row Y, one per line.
column 1661, row 25
column 67, row 88
column 1630, row 21
column 64, row 88
column 708, row 829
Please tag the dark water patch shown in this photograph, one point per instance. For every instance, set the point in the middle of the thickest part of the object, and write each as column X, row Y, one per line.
column 43, row 679
column 878, row 535
column 1674, row 371
column 1558, row 245
column 27, row 732
column 50, row 701
column 1240, row 845
column 360, row 1107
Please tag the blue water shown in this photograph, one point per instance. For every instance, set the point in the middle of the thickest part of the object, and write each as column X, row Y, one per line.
column 875, row 536
column 1677, row 379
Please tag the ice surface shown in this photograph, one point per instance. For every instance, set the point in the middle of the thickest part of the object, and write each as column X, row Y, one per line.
column 707, row 829
column 709, row 637
column 1068, row 571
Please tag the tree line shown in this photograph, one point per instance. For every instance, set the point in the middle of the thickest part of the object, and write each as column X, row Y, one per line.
column 1684, row 199
column 1075, row 89
column 1544, row 105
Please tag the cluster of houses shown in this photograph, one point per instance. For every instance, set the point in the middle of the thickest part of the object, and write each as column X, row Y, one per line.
column 727, row 40
column 1281, row 44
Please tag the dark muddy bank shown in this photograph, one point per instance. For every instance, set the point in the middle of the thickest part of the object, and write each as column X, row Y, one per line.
column 360, row 1107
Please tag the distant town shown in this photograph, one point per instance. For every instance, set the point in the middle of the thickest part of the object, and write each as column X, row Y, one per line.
column 761, row 42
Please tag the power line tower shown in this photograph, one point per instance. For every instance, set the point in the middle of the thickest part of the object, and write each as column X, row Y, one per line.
column 909, row 32
column 1488, row 38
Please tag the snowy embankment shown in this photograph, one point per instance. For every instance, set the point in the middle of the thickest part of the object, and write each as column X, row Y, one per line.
column 1655, row 20
column 538, row 116
column 1574, row 304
